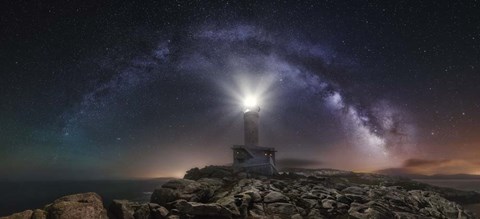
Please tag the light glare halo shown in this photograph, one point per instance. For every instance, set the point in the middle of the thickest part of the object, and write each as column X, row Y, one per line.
column 250, row 102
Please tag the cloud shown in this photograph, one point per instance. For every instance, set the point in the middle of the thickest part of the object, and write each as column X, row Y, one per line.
column 435, row 166
column 411, row 163
column 298, row 163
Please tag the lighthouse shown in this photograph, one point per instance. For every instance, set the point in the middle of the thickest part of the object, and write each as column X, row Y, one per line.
column 251, row 157
column 250, row 120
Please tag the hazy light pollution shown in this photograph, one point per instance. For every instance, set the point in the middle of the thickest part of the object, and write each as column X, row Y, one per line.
column 114, row 90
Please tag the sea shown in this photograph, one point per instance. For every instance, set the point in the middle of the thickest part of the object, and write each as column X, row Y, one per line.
column 460, row 184
column 19, row 196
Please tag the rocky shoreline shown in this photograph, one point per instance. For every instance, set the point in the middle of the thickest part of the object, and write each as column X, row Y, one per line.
column 214, row 192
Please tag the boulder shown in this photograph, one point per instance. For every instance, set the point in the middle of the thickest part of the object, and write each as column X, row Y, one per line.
column 209, row 172
column 20, row 215
column 357, row 198
column 329, row 204
column 354, row 190
column 307, row 203
column 78, row 206
column 296, row 216
column 121, row 209
column 254, row 195
column 162, row 196
column 371, row 210
column 203, row 210
column 257, row 211
column 39, row 214
column 157, row 211
column 231, row 203
column 279, row 184
column 124, row 209
column 343, row 199
column 275, row 197
column 315, row 214
column 406, row 215
column 309, row 195
column 142, row 212
column 202, row 190
column 282, row 208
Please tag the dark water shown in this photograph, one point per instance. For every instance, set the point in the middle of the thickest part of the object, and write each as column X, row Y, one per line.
column 19, row 196
column 461, row 184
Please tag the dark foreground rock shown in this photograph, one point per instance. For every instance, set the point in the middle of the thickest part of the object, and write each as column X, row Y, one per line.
column 305, row 194
column 124, row 209
column 214, row 192
column 86, row 205
column 219, row 172
column 78, row 206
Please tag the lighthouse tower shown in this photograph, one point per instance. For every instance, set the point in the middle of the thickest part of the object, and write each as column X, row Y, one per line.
column 250, row 119
column 251, row 157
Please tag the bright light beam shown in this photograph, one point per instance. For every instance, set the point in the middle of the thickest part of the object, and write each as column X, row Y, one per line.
column 250, row 102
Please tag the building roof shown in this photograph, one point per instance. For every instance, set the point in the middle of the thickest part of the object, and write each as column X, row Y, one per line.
column 250, row 147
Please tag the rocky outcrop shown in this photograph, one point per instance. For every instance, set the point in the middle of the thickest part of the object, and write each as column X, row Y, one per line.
column 322, row 194
column 78, row 206
column 85, row 205
column 124, row 209
column 195, row 209
column 219, row 172
column 28, row 214
column 20, row 215
column 201, row 190
column 288, row 195
column 39, row 214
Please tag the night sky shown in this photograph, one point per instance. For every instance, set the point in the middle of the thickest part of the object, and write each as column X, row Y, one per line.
column 110, row 89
